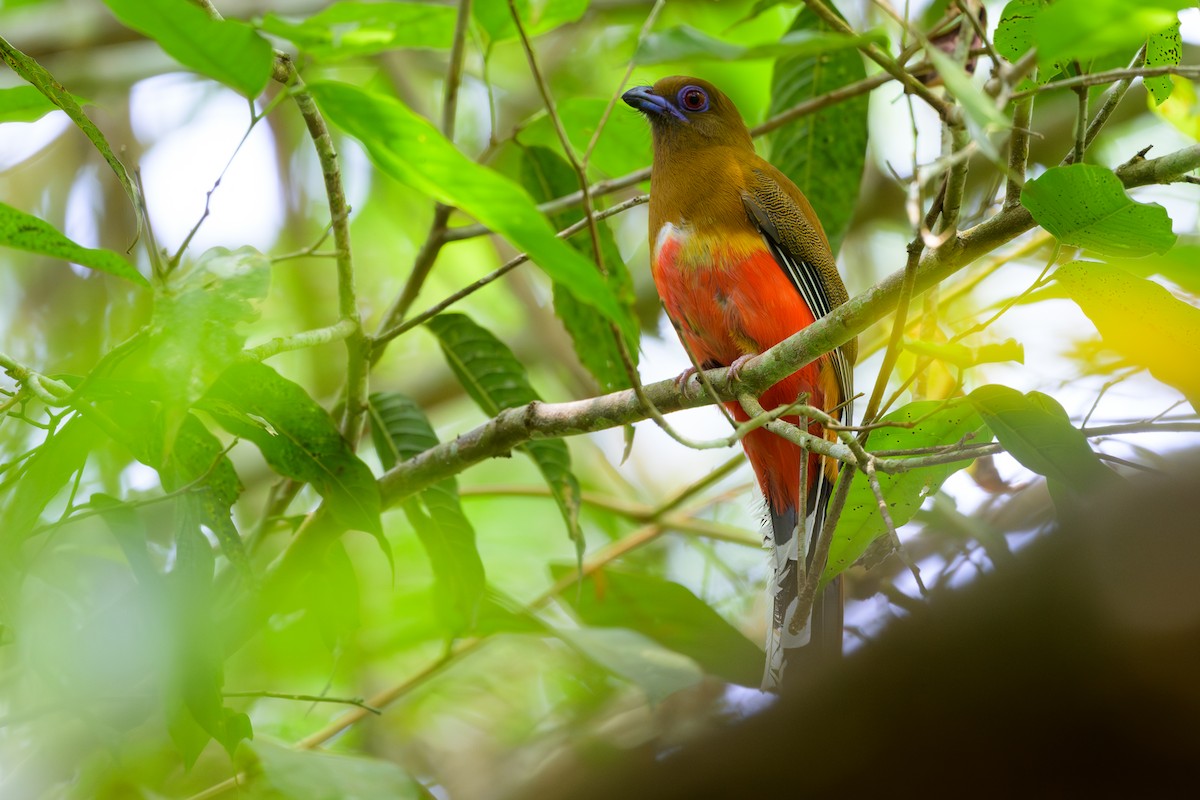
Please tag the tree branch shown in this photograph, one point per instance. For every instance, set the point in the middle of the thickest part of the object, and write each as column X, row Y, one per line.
column 537, row 420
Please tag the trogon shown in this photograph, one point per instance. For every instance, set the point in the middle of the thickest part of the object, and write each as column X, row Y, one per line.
column 741, row 262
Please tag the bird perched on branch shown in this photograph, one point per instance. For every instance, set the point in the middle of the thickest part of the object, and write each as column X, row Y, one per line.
column 741, row 263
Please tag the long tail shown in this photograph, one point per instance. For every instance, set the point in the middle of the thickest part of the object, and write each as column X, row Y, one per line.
column 821, row 638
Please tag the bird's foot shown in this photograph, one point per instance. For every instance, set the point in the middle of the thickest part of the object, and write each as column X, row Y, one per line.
column 735, row 369
column 682, row 379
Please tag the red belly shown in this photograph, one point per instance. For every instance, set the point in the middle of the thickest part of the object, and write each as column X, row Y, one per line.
column 740, row 304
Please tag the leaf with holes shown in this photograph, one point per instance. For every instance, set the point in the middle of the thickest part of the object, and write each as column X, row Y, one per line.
column 1163, row 49
column 1014, row 36
column 495, row 380
column 823, row 153
column 400, row 431
column 1084, row 205
column 1085, row 29
column 934, row 424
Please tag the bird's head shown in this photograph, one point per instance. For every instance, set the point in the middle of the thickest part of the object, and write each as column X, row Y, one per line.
column 689, row 113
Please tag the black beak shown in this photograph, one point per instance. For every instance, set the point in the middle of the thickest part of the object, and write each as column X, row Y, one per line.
column 645, row 100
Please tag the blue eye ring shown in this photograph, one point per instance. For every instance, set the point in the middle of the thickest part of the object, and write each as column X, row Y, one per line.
column 692, row 99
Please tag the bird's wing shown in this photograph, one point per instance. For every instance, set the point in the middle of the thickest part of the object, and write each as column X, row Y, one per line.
column 799, row 247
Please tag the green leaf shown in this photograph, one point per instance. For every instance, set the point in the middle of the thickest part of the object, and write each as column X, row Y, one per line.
column 1085, row 29
column 959, row 355
column 537, row 16
column 823, row 153
column 194, row 332
column 685, row 43
column 547, row 175
column 1085, row 205
column 196, row 459
column 937, row 424
column 33, row 73
column 655, row 670
column 1139, row 319
column 669, row 614
column 1036, row 431
column 44, row 475
column 1163, row 48
column 400, row 431
column 284, row 772
column 407, row 147
column 348, row 29
column 495, row 380
column 25, row 232
column 225, row 50
column 1014, row 35
column 299, row 440
column 982, row 115
column 24, row 104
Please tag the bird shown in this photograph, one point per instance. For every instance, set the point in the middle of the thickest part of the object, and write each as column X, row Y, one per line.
column 741, row 262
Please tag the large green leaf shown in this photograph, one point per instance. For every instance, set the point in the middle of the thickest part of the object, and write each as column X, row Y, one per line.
column 655, row 670
column 348, row 29
column 1139, row 319
column 1036, row 431
column 937, row 424
column 277, row 771
column 1163, row 49
column 299, row 440
column 400, row 431
column 407, row 147
column 225, row 50
column 1084, row 29
column 537, row 16
column 823, row 153
column 669, row 614
column 1085, row 205
column 495, row 380
column 35, row 74
column 547, row 175
column 685, row 43
column 25, row 232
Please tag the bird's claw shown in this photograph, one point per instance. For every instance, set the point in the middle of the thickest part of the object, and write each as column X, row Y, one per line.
column 683, row 377
column 735, row 369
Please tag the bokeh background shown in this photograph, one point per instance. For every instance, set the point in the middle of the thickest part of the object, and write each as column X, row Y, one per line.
column 75, row 718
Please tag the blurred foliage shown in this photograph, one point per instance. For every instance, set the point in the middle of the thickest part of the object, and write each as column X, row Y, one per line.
column 187, row 602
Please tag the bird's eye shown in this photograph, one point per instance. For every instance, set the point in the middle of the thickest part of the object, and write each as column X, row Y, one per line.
column 693, row 98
